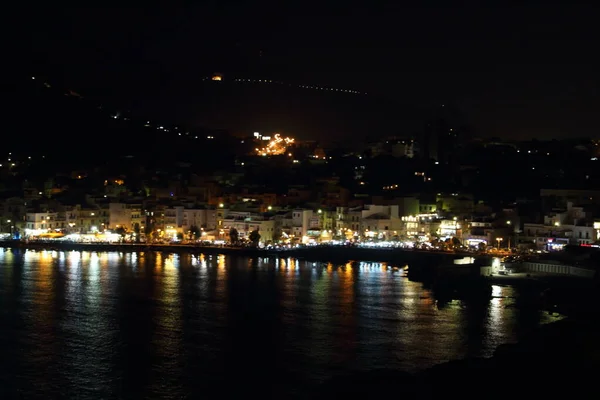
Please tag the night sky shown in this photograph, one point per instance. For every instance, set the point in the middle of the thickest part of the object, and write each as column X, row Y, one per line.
column 514, row 72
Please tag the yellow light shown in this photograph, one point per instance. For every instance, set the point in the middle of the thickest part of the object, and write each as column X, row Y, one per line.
column 276, row 146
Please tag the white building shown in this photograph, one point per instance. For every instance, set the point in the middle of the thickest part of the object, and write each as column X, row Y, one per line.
column 584, row 234
column 302, row 222
column 383, row 222
column 180, row 219
column 245, row 222
column 571, row 226
column 380, row 222
column 42, row 222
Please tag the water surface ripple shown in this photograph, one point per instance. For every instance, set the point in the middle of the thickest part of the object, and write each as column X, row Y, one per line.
column 150, row 325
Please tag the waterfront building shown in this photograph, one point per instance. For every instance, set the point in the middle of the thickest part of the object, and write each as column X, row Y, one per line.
column 181, row 220
column 246, row 222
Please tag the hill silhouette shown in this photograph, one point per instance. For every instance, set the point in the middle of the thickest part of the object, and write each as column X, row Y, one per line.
column 47, row 119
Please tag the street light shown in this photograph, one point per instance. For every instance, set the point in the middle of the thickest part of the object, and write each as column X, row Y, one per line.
column 508, row 222
column 499, row 240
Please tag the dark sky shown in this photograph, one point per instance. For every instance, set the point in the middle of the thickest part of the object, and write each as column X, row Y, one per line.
column 527, row 71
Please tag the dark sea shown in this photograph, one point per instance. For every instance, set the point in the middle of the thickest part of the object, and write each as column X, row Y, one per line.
column 86, row 325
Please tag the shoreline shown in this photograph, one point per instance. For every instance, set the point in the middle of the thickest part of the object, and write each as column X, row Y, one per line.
column 423, row 265
column 569, row 295
column 336, row 254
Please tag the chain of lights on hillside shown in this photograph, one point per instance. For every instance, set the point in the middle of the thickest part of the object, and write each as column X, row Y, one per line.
column 276, row 146
column 118, row 115
column 218, row 77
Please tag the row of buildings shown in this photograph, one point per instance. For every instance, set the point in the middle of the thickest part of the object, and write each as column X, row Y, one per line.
column 403, row 219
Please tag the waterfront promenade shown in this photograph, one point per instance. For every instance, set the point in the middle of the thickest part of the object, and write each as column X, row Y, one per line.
column 429, row 267
column 336, row 254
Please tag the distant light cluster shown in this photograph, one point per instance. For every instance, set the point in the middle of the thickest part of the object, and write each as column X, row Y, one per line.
column 12, row 161
column 390, row 187
column 269, row 81
column 276, row 146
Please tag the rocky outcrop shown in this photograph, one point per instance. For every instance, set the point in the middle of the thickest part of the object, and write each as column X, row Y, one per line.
column 559, row 360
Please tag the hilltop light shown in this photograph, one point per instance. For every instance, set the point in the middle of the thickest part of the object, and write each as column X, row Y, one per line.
column 276, row 146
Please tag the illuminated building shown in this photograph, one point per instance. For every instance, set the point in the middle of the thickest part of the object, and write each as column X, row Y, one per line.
column 246, row 222
column 126, row 216
column 449, row 228
column 181, row 220
column 411, row 225
column 41, row 222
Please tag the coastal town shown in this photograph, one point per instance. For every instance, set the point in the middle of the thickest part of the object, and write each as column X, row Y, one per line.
column 383, row 225
column 300, row 201
column 439, row 188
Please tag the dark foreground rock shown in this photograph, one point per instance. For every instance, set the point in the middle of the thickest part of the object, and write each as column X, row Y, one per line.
column 560, row 360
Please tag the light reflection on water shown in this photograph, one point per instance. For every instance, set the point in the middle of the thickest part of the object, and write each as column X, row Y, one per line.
column 91, row 325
